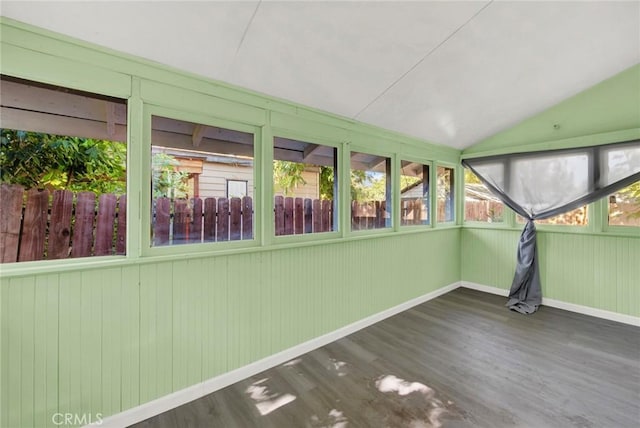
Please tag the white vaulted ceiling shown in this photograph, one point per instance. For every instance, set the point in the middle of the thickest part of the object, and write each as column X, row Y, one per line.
column 451, row 72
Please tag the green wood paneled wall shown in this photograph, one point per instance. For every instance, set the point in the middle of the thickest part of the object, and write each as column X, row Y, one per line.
column 102, row 335
column 105, row 340
column 90, row 337
column 597, row 271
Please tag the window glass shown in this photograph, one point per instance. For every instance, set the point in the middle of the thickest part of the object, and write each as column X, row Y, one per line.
column 414, row 193
column 370, row 191
column 479, row 203
column 445, row 197
column 63, row 172
column 305, row 187
column 577, row 217
column 237, row 188
column 624, row 206
column 559, row 178
column 202, row 183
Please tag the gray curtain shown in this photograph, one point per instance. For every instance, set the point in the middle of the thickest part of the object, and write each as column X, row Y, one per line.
column 540, row 185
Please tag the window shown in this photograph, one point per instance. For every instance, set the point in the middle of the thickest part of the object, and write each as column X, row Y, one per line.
column 624, row 206
column 202, row 182
column 63, row 162
column 545, row 181
column 577, row 217
column 370, row 191
column 445, row 197
column 305, row 187
column 479, row 203
column 414, row 193
column 237, row 188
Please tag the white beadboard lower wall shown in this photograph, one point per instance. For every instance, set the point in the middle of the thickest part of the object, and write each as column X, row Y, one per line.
column 178, row 398
column 586, row 310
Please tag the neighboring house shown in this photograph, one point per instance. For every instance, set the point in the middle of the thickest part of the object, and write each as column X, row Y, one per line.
column 219, row 176
column 310, row 189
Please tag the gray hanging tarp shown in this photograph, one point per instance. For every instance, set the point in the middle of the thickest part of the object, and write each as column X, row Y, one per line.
column 544, row 184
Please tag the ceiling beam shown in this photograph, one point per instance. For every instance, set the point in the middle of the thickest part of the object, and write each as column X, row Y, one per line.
column 209, row 145
column 376, row 162
column 198, row 134
column 60, row 125
column 111, row 119
column 309, row 150
column 42, row 100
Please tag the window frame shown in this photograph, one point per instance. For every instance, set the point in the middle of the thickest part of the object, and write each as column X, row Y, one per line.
column 431, row 165
column 508, row 215
column 456, row 192
column 614, row 229
column 590, row 227
column 147, row 249
column 393, row 199
column 111, row 84
column 268, row 189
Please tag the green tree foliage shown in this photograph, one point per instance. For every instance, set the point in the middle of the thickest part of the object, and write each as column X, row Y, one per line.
column 167, row 181
column 288, row 175
column 37, row 160
column 365, row 185
column 407, row 182
column 470, row 177
column 368, row 186
column 326, row 182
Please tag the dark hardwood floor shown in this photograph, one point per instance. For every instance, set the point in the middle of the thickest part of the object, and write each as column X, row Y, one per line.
column 461, row 360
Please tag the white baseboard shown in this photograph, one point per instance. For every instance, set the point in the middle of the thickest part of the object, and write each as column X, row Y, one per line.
column 183, row 396
column 586, row 310
column 485, row 288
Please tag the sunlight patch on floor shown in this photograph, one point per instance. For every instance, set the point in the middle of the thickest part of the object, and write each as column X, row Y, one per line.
column 267, row 402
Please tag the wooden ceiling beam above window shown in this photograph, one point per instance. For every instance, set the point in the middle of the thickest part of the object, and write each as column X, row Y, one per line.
column 376, row 162
column 111, row 119
column 198, row 134
column 308, row 151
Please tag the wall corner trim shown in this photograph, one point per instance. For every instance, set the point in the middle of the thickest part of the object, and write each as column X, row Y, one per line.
column 585, row 310
column 183, row 396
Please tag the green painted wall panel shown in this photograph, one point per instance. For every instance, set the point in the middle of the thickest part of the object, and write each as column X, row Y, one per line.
column 73, row 342
column 46, row 348
column 27, row 64
column 597, row 271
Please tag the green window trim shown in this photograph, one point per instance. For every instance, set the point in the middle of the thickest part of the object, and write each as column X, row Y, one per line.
column 458, row 192
column 313, row 135
column 431, row 191
column 150, row 110
column 393, row 200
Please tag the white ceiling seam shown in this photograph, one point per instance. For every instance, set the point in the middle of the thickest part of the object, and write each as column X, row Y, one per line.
column 248, row 27
column 428, row 54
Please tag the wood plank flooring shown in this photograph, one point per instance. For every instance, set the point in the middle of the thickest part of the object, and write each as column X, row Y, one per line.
column 461, row 360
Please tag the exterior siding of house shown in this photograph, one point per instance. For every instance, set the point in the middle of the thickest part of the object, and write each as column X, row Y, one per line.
column 311, row 188
column 213, row 180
